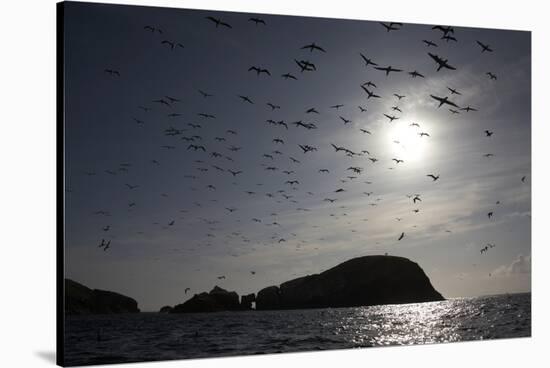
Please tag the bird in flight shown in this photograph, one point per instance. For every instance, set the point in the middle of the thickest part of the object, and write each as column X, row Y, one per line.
column 172, row 44
column 234, row 173
column 259, row 70
column 368, row 61
column 289, row 76
column 448, row 38
column 204, row 94
column 393, row 26
column 468, row 109
column 415, row 74
column 246, row 99
column 306, row 148
column 305, row 65
column 388, row 69
column 399, row 97
column 346, row 121
column 356, row 170
column 488, row 133
column 112, row 72
column 484, row 47
column 453, row 91
column 401, row 236
column 153, row 29
column 442, row 63
column 312, row 111
column 429, row 43
column 391, row 117
column 444, row 29
column 444, row 100
column 257, row 20
column 312, row 46
column 491, row 75
column 196, row 147
column 186, row 290
column 219, row 22
column 162, row 102
column 369, row 93
column 434, row 177
column 104, row 244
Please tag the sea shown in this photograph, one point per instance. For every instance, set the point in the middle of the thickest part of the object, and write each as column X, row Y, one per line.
column 104, row 339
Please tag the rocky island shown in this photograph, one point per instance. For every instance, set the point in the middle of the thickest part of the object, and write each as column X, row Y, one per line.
column 80, row 299
column 362, row 281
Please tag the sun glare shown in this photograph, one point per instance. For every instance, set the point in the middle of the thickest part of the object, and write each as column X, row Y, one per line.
column 408, row 141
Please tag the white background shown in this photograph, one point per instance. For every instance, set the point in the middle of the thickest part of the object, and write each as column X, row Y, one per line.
column 27, row 181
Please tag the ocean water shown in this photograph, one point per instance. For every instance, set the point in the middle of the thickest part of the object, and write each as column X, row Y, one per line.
column 151, row 336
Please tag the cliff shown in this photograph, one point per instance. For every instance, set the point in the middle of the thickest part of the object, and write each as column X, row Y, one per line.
column 80, row 299
column 362, row 281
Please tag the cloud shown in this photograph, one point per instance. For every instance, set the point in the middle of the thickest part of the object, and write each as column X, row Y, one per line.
column 519, row 266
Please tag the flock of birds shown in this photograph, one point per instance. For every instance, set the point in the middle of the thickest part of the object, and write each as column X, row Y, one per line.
column 218, row 155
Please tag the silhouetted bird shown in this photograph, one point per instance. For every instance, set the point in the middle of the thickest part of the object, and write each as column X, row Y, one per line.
column 484, row 47
column 218, row 22
column 442, row 63
column 388, row 69
column 112, row 72
column 429, row 43
column 313, row 46
column 491, row 75
column 257, row 21
column 367, row 61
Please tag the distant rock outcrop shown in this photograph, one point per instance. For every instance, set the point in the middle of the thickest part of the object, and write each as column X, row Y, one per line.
column 166, row 309
column 369, row 280
column 80, row 299
column 247, row 300
column 268, row 298
column 216, row 300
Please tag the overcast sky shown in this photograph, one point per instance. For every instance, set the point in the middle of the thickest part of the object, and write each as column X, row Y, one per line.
column 111, row 142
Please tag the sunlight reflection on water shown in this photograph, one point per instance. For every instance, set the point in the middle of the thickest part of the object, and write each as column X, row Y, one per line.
column 151, row 336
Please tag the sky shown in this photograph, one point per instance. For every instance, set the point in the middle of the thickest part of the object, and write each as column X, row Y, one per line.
column 177, row 218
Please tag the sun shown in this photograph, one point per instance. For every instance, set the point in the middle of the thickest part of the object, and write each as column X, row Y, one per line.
column 406, row 141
